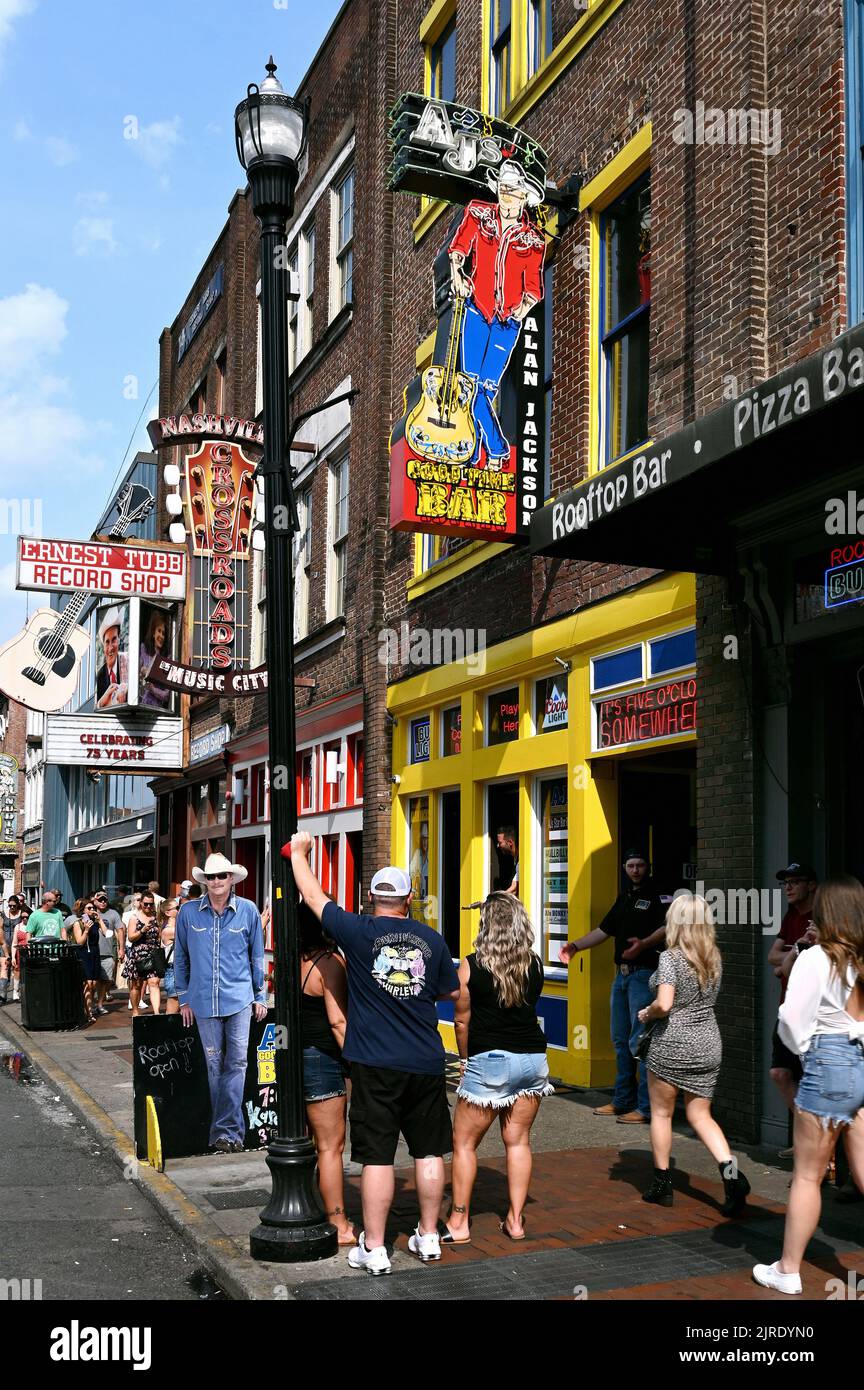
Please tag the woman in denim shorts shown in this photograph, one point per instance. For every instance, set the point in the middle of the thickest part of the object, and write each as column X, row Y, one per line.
column 822, row 1018
column 324, row 1005
column 503, row 1051
column 168, row 922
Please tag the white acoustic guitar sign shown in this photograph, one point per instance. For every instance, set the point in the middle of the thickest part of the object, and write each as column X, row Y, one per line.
column 39, row 667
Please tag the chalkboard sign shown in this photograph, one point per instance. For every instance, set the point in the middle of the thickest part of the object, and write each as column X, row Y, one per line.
column 169, row 1065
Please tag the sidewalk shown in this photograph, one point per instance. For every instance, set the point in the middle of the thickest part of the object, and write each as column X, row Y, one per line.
column 590, row 1234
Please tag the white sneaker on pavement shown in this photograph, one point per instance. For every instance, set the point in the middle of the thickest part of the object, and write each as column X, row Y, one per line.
column 770, row 1277
column 426, row 1247
column 374, row 1261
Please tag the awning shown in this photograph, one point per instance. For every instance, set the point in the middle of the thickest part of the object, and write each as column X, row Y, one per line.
column 128, row 842
column 82, row 851
column 674, row 505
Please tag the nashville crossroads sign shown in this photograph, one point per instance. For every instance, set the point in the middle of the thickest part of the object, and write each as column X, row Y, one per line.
column 793, row 395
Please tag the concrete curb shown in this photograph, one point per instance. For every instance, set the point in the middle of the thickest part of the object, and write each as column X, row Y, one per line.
column 240, row 1278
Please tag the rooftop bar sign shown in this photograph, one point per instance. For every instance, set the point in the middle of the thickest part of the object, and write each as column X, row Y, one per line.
column 467, row 453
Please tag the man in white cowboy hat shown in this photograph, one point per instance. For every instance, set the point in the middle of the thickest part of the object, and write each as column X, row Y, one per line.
column 112, row 677
column 504, row 284
column 219, row 973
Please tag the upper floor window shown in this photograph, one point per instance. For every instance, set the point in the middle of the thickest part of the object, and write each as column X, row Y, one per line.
column 338, row 535
column 625, row 278
column 293, row 316
column 303, row 565
column 539, row 24
column 442, row 64
column 501, row 46
column 345, row 241
column 307, row 290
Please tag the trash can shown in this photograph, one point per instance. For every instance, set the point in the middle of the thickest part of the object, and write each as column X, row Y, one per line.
column 52, row 994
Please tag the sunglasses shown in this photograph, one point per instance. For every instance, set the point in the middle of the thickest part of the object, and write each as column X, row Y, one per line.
column 147, row 905
column 210, row 877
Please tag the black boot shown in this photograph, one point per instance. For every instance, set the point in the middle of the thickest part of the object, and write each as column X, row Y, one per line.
column 736, row 1189
column 660, row 1191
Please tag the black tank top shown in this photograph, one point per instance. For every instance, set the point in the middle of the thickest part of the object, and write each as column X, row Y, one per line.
column 496, row 1029
column 316, row 1025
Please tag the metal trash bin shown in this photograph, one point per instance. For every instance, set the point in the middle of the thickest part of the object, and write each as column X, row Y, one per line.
column 52, row 993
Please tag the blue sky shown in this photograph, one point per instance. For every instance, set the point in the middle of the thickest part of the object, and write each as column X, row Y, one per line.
column 103, row 235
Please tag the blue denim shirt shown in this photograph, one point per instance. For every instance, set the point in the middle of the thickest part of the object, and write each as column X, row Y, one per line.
column 219, row 961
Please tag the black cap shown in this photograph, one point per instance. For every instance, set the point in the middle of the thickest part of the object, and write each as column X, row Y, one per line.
column 636, row 854
column 796, row 870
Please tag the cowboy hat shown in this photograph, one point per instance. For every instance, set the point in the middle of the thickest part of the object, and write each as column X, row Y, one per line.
column 511, row 178
column 113, row 618
column 218, row 864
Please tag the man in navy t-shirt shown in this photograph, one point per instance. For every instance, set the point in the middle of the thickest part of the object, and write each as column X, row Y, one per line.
column 397, row 968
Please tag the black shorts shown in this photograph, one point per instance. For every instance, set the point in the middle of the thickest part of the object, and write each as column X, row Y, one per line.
column 385, row 1102
column 783, row 1058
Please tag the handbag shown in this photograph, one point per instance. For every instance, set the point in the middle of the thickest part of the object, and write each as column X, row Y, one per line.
column 639, row 1048
column 154, row 963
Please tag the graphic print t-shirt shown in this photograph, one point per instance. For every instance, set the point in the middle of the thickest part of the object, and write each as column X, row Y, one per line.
column 397, row 968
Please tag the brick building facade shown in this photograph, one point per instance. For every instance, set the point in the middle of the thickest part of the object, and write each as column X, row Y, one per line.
column 13, row 744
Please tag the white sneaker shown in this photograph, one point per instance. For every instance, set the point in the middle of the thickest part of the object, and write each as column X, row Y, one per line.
column 142, row 1006
column 15, row 996
column 374, row 1261
column 129, row 1005
column 770, row 1277
column 426, row 1247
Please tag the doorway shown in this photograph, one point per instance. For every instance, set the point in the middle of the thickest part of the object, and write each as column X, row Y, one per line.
column 451, row 876
column 657, row 815
column 502, row 811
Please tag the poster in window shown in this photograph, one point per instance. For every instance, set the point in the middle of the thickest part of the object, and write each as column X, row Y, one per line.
column 156, row 642
column 418, row 866
column 420, row 740
column 551, row 712
column 112, row 656
column 462, row 464
column 503, row 716
column 555, row 872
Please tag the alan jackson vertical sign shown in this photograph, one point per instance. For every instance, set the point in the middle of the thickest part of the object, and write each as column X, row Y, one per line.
column 467, row 455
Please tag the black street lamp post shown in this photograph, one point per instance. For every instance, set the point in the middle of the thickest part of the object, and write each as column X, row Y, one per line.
column 270, row 131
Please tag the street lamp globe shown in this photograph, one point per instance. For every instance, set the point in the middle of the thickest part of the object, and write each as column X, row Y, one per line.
column 269, row 124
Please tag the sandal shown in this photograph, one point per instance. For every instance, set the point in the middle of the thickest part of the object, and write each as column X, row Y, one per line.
column 446, row 1237
column 502, row 1227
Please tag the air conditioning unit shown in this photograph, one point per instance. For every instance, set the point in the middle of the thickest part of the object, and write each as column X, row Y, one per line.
column 333, row 769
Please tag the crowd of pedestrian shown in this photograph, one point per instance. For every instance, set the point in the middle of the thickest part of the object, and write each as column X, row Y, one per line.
column 370, row 982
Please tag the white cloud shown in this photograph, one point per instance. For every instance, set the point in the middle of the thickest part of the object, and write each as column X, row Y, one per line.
column 21, row 130
column 10, row 10
column 32, row 329
column 61, row 151
column 157, row 142
column 97, row 199
column 94, row 235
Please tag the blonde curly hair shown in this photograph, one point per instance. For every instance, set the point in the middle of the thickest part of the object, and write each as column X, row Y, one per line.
column 505, row 946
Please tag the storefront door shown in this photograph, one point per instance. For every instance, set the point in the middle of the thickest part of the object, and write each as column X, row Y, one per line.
column 656, row 814
column 502, row 810
column 450, row 871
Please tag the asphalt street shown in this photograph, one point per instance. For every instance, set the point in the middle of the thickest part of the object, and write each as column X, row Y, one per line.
column 70, row 1218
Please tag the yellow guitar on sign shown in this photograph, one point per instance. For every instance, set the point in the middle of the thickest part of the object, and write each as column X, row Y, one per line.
column 441, row 426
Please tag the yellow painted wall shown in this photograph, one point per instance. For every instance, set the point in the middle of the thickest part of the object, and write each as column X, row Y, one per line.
column 651, row 610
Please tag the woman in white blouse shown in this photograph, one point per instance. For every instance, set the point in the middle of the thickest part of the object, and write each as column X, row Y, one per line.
column 822, row 1019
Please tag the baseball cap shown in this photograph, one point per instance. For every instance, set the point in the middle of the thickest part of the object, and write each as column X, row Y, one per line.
column 795, row 870
column 185, row 885
column 390, row 882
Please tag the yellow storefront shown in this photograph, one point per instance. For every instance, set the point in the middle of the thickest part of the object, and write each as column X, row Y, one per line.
column 581, row 735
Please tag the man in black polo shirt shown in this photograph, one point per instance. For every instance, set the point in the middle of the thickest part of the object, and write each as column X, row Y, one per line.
column 637, row 921
column 397, row 969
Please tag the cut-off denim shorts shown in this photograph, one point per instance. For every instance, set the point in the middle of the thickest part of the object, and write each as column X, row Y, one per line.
column 497, row 1079
column 323, row 1077
column 832, row 1087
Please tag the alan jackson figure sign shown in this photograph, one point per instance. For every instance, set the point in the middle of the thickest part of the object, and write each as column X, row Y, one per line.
column 467, row 455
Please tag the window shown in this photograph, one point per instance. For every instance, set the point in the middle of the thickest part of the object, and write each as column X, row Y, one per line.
column 307, row 290
column 442, row 65
column 306, row 780
column 618, row 668
column 451, row 731
column 259, row 609
column 625, row 313
column 550, row 703
column 672, row 653
column 294, row 353
column 419, row 749
column 501, row 68
column 344, row 241
column 359, row 752
column 502, row 725
column 539, row 23
column 418, row 858
column 303, row 566
column 218, row 393
column 339, row 534
column 433, row 549
column 554, row 873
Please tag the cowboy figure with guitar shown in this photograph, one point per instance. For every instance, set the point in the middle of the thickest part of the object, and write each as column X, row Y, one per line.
column 504, row 284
